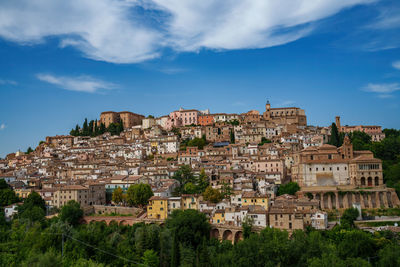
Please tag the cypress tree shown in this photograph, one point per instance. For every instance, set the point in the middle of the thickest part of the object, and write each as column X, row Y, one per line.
column 334, row 136
column 96, row 129
column 85, row 128
column 102, row 128
column 175, row 251
column 91, row 128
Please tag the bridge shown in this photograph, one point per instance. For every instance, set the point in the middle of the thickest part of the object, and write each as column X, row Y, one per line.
column 218, row 231
column 120, row 220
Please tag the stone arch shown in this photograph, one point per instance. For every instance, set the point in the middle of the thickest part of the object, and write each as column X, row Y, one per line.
column 113, row 222
column 369, row 181
column 227, row 235
column 215, row 233
column 123, row 222
column 238, row 236
column 333, row 201
column 362, row 180
column 376, row 181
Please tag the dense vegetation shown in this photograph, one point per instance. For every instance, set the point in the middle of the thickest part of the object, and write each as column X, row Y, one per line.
column 32, row 240
column 388, row 150
column 136, row 195
column 290, row 188
column 93, row 129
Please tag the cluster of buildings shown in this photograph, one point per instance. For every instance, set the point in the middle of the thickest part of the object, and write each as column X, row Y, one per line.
column 253, row 153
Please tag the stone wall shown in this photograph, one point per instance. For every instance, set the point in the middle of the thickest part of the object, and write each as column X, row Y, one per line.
column 343, row 198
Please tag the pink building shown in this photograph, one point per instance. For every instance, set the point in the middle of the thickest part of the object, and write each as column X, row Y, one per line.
column 182, row 117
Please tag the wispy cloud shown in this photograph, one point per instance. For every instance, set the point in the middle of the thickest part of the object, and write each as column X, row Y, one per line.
column 2, row 126
column 396, row 65
column 131, row 31
column 82, row 83
column 383, row 90
column 169, row 70
column 287, row 103
column 5, row 82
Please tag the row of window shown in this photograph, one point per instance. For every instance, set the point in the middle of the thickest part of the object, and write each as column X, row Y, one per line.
column 368, row 166
column 330, row 168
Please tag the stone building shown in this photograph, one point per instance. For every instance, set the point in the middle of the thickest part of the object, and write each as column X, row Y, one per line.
column 286, row 115
column 328, row 165
column 372, row 130
column 86, row 195
column 128, row 118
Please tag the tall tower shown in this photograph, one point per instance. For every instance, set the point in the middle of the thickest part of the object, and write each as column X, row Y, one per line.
column 337, row 122
column 267, row 113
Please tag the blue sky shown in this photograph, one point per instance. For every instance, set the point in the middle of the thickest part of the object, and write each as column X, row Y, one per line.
column 62, row 61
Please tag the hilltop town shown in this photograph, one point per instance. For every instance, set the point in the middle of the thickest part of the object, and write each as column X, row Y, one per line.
column 230, row 167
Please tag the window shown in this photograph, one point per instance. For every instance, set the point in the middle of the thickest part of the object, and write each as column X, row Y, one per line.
column 290, row 225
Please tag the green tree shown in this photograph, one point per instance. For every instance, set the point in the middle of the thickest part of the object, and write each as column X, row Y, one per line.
column 290, row 188
column 3, row 184
column 190, row 226
column 102, row 129
column 247, row 226
column 150, row 258
column 197, row 142
column 335, row 137
column 202, row 181
column 349, row 216
column 85, row 128
column 29, row 150
column 183, row 175
column 389, row 256
column 264, row 141
column 226, row 190
column 118, row 195
column 190, row 188
column 139, row 195
column 232, row 136
column 175, row 250
column 33, row 200
column 212, row 195
column 71, row 213
column 7, row 197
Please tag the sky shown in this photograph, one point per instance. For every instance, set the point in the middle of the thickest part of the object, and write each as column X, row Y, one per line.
column 64, row 61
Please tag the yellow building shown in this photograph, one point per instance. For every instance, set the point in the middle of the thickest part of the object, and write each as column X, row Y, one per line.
column 190, row 202
column 157, row 208
column 251, row 198
column 219, row 217
column 23, row 192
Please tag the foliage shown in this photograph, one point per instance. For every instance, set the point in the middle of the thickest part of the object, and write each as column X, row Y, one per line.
column 188, row 182
column 212, row 195
column 247, row 226
column 150, row 258
column 118, row 195
column 139, row 194
column 349, row 216
column 33, row 208
column 290, row 188
column 335, row 137
column 190, row 227
column 29, row 150
column 71, row 212
column 7, row 195
column 93, row 128
column 184, row 241
column 264, row 141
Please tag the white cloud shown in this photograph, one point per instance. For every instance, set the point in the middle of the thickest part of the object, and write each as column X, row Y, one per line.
column 2, row 126
column 4, row 82
column 396, row 65
column 384, row 90
column 129, row 31
column 81, row 83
